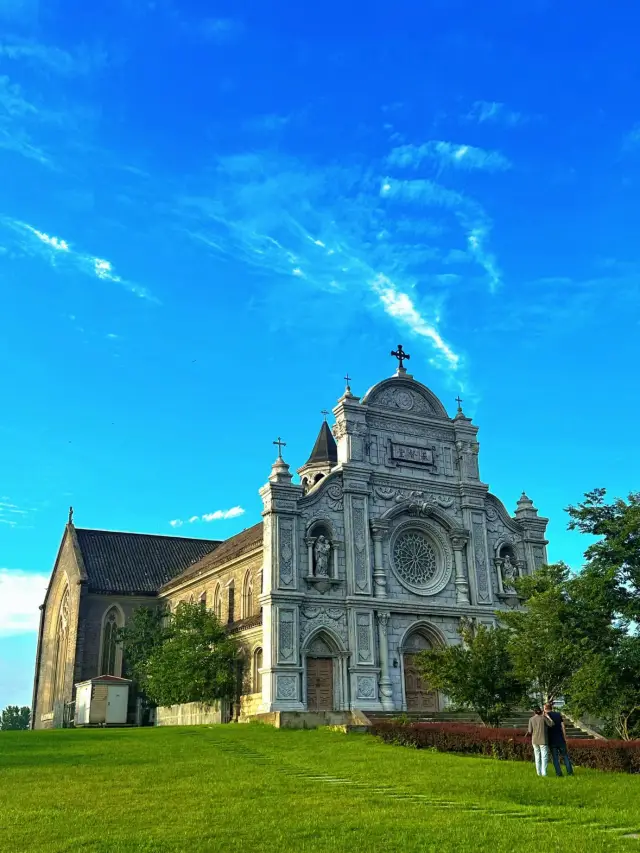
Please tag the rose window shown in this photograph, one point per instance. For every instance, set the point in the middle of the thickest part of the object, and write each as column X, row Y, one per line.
column 414, row 558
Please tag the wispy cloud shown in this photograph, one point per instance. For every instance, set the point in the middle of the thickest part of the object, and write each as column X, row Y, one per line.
column 50, row 58
column 11, row 514
column 218, row 515
column 401, row 306
column 21, row 593
column 631, row 141
column 495, row 112
column 448, row 155
column 56, row 250
column 220, row 30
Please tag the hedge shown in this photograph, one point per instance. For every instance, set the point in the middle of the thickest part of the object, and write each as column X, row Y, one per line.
column 506, row 744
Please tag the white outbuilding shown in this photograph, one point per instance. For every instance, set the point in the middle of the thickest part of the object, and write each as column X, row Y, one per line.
column 102, row 701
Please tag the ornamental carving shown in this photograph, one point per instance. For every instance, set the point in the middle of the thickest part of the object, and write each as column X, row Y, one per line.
column 404, row 400
column 383, row 621
column 421, row 557
column 286, row 552
column 286, row 687
column 416, row 496
column 286, row 644
column 366, row 687
column 480, row 560
column 363, row 631
column 360, row 546
column 414, row 558
column 319, row 617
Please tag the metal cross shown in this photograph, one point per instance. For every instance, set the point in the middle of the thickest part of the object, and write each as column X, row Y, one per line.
column 459, row 402
column 280, row 444
column 401, row 355
column 347, row 379
column 325, row 413
column 70, row 515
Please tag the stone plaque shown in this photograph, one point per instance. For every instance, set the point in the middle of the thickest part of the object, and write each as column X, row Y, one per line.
column 410, row 453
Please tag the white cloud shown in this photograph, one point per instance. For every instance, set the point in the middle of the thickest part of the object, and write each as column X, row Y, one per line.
column 400, row 305
column 496, row 113
column 631, row 141
column 466, row 157
column 33, row 241
column 217, row 515
column 21, row 593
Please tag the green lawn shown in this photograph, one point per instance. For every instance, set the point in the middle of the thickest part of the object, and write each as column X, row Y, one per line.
column 241, row 788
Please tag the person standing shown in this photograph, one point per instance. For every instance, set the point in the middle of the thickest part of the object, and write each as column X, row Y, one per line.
column 538, row 726
column 558, row 741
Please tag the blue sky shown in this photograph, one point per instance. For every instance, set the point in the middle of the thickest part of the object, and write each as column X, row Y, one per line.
column 208, row 214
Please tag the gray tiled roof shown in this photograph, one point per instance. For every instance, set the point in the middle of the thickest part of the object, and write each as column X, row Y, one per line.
column 228, row 550
column 136, row 563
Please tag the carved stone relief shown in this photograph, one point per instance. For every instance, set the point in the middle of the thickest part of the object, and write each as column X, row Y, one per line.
column 403, row 399
column 334, row 618
column 366, row 687
column 482, row 585
column 359, row 546
column 286, row 643
column 286, row 686
column 286, row 551
column 363, row 631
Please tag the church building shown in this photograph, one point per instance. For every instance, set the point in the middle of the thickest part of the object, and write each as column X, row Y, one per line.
column 386, row 541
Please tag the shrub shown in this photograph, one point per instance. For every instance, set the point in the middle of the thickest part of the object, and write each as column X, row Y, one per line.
column 506, row 744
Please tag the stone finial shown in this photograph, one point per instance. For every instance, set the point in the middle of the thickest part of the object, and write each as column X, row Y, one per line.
column 280, row 472
column 525, row 508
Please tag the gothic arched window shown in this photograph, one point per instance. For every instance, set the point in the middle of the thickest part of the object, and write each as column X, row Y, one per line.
column 257, row 675
column 111, row 658
column 61, row 649
column 231, row 602
column 217, row 603
column 247, row 595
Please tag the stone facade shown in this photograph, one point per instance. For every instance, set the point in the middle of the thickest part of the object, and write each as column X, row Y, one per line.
column 411, row 542
column 390, row 539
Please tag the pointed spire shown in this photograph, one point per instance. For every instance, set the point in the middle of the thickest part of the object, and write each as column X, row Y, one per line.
column 325, row 448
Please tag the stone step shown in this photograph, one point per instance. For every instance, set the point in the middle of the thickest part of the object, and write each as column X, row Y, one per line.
column 514, row 721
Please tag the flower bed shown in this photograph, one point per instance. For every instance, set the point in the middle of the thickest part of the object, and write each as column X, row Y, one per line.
column 506, row 744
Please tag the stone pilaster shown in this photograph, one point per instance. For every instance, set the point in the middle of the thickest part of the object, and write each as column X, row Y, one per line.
column 386, row 686
column 458, row 542
column 379, row 530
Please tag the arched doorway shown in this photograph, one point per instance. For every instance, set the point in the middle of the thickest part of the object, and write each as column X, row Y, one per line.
column 320, row 676
column 419, row 697
column 326, row 672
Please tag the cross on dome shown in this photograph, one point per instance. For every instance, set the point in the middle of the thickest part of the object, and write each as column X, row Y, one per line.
column 401, row 355
column 280, row 444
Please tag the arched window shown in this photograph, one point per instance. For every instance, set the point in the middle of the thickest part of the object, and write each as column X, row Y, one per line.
column 217, row 603
column 247, row 595
column 203, row 598
column 61, row 649
column 231, row 593
column 257, row 675
column 111, row 658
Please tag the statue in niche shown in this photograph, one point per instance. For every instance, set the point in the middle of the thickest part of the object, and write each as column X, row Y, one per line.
column 509, row 573
column 321, row 552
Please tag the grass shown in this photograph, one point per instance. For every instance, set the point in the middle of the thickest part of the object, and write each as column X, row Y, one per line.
column 253, row 788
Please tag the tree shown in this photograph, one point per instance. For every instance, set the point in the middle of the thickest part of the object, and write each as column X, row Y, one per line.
column 143, row 634
column 613, row 562
column 478, row 674
column 557, row 630
column 608, row 687
column 15, row 718
column 196, row 660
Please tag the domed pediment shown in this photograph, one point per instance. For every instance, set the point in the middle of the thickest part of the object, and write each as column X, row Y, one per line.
column 405, row 395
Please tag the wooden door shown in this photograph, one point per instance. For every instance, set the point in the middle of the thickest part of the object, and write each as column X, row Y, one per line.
column 419, row 696
column 320, row 684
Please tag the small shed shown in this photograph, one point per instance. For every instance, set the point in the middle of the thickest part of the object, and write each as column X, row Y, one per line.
column 102, row 701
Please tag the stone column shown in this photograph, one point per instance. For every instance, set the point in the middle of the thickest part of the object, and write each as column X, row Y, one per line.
column 386, row 689
column 309, row 540
column 378, row 532
column 458, row 541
